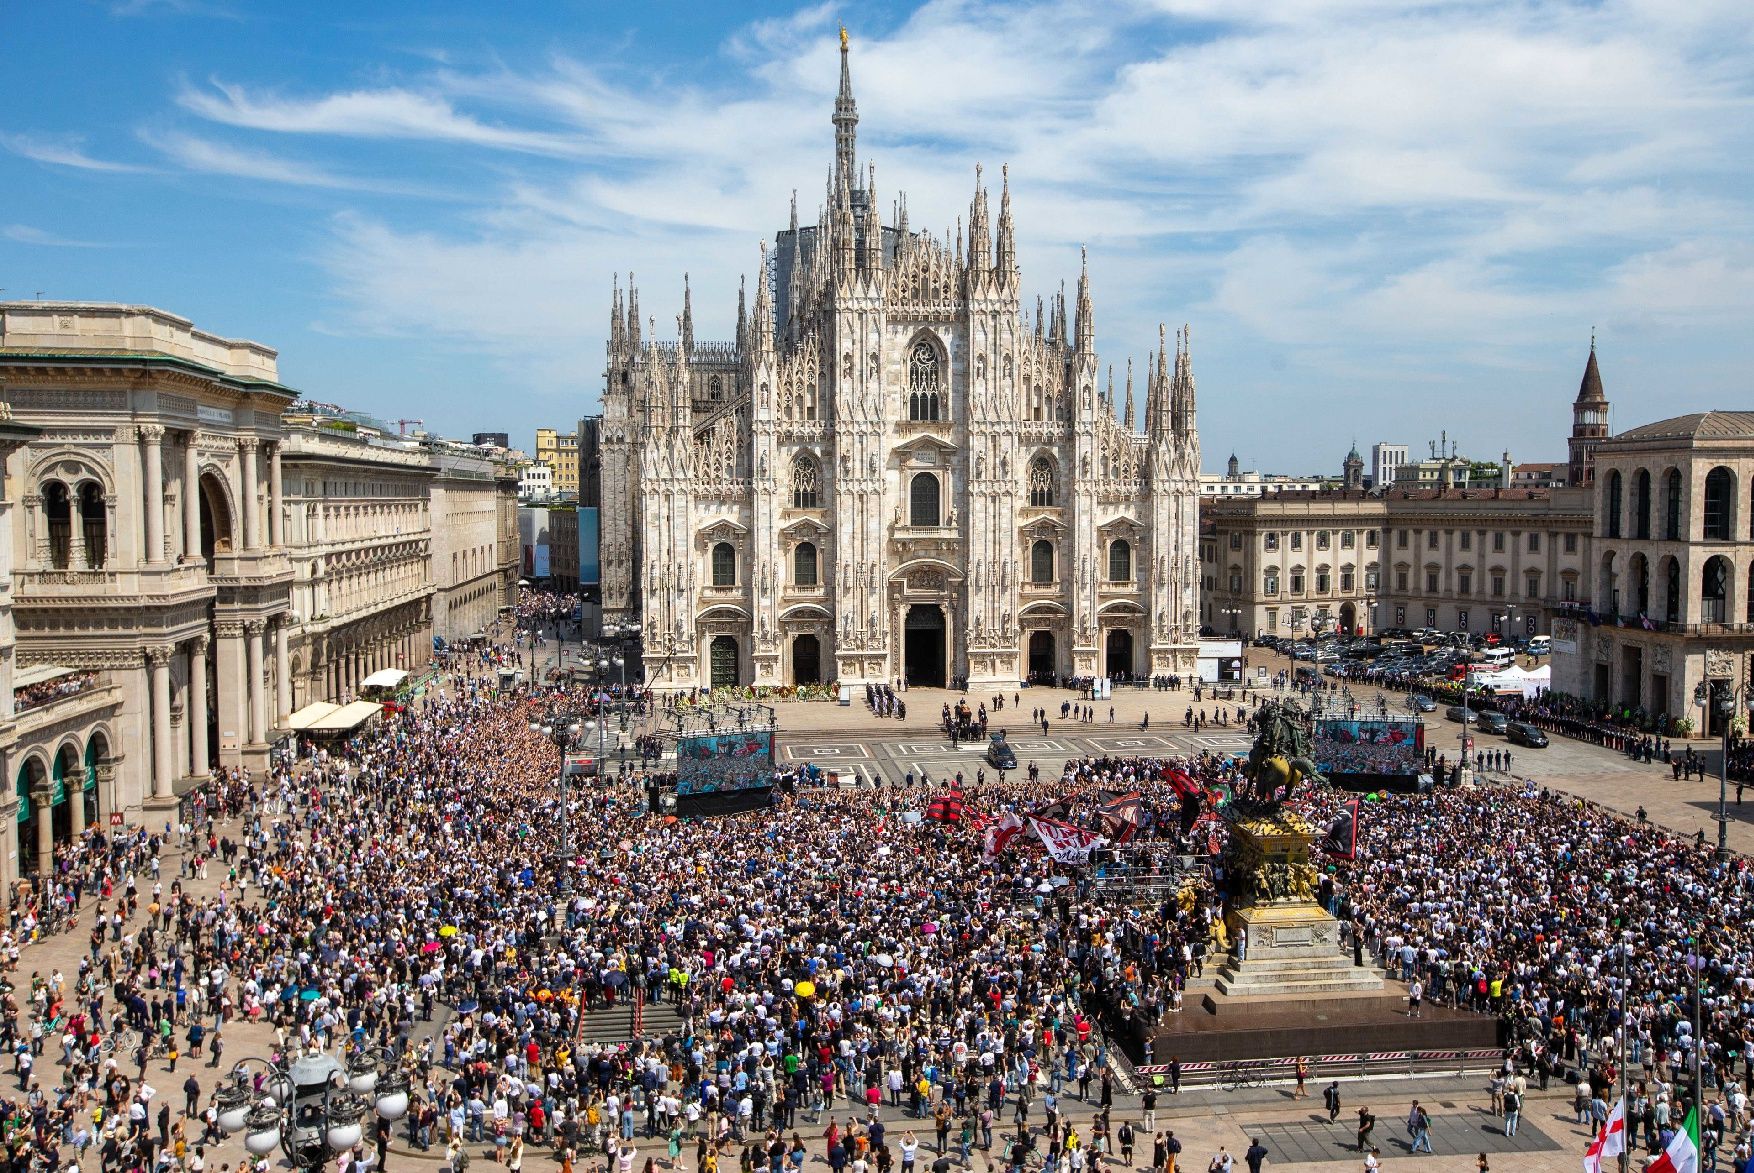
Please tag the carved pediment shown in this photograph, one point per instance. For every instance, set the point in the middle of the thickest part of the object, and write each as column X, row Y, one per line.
column 804, row 527
column 723, row 530
column 1121, row 525
column 925, row 448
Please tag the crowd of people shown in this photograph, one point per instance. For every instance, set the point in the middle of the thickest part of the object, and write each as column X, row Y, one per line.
column 29, row 696
column 829, row 960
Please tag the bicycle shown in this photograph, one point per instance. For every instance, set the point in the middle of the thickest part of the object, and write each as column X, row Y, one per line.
column 1237, row 1075
column 123, row 1041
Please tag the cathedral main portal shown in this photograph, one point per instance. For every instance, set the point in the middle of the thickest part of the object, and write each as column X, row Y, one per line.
column 926, row 646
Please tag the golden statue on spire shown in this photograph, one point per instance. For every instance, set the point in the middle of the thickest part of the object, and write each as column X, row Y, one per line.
column 843, row 38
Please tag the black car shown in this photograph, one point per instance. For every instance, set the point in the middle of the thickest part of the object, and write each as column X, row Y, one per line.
column 1000, row 756
column 1465, row 716
column 1420, row 703
column 1493, row 721
column 1522, row 733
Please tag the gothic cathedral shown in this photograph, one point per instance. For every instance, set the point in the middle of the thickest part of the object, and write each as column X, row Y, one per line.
column 893, row 473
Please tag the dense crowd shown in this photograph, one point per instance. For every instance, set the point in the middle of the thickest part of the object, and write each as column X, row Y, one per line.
column 30, row 696
column 407, row 891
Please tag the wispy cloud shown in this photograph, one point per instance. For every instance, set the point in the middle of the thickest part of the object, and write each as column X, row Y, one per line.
column 61, row 151
column 27, row 234
column 194, row 153
column 387, row 114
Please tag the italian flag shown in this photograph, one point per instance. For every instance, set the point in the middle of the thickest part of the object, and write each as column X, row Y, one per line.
column 1682, row 1155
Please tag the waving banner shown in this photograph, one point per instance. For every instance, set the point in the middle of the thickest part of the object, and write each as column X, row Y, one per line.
column 1064, row 842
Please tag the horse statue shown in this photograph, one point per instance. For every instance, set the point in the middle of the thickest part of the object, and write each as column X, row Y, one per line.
column 1280, row 758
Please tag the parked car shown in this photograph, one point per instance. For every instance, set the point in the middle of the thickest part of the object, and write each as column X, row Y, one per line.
column 1522, row 733
column 1464, row 716
column 1492, row 721
column 1000, row 755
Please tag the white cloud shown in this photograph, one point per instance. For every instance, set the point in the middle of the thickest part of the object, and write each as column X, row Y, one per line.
column 28, row 234
column 1374, row 185
column 193, row 153
column 62, row 151
column 391, row 113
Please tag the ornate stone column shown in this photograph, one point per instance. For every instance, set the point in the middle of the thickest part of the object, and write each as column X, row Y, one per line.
column 199, row 763
column 274, row 510
column 153, row 435
column 76, row 805
column 191, row 499
column 42, row 800
column 282, row 670
column 257, row 693
column 158, row 671
column 248, row 446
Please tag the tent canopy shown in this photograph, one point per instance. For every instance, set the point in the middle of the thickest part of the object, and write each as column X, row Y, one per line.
column 384, row 678
column 347, row 718
column 37, row 673
column 310, row 715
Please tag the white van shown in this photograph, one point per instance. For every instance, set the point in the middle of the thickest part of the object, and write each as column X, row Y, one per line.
column 1540, row 645
column 1498, row 657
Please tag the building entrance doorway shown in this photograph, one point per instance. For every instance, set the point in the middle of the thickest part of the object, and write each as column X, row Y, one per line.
column 806, row 660
column 1041, row 657
column 924, row 646
column 723, row 656
column 1119, row 661
column 1349, row 619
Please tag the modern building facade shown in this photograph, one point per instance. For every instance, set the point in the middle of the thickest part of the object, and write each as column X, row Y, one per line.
column 560, row 452
column 1672, row 567
column 1385, row 463
column 892, row 472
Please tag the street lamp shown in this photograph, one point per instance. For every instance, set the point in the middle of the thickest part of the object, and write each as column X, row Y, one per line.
column 565, row 730
column 1725, row 698
column 1234, row 613
column 312, row 1107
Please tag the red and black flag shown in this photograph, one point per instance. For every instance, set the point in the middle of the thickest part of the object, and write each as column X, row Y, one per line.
column 1119, row 816
column 1342, row 837
column 946, row 808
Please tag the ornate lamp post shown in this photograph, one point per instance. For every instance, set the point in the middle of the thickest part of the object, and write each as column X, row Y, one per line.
column 313, row 1107
column 1725, row 698
column 566, row 731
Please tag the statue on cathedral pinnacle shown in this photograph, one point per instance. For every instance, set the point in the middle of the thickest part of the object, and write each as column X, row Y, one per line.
column 843, row 37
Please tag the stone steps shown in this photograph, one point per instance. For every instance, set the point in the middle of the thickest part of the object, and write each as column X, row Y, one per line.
column 1319, row 974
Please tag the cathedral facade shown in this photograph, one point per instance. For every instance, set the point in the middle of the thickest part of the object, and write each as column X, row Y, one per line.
column 894, row 472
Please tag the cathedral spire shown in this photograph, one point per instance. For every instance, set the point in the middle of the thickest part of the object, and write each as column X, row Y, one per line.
column 1086, row 316
column 685, row 328
column 1128, row 419
column 846, row 120
column 617, row 320
column 1007, row 258
column 980, row 245
column 1159, row 415
column 742, row 317
column 761, row 337
column 632, row 315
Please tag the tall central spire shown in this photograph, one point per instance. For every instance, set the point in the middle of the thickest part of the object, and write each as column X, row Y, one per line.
column 846, row 122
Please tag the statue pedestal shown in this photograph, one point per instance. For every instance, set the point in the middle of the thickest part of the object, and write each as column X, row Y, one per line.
column 1291, row 943
column 1292, row 948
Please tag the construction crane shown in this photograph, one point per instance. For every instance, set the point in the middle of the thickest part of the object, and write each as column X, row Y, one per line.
column 402, row 426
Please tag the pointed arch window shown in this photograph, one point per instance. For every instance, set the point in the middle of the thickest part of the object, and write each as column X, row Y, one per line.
column 1041, row 482
column 924, row 385
column 806, row 483
column 923, row 500
column 1120, row 561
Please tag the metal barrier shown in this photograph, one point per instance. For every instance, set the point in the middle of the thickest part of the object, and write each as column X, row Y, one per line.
column 1358, row 1065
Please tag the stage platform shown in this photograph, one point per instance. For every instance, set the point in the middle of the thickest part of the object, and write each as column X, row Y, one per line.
column 1214, row 1027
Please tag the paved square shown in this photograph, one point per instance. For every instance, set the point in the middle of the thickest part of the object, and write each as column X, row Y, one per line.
column 1462, row 1131
column 828, row 749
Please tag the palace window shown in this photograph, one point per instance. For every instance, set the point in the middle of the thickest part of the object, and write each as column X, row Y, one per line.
column 804, row 565
column 1041, row 562
column 923, row 498
column 1120, row 561
column 724, row 565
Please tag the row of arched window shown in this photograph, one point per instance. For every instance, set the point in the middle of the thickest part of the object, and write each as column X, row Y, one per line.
column 807, row 484
column 61, row 506
column 1634, row 511
column 807, row 571
column 1630, row 588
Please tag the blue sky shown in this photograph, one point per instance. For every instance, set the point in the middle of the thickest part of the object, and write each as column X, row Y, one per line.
column 1380, row 217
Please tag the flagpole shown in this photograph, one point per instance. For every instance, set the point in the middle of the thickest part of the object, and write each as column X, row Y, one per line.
column 1625, row 1075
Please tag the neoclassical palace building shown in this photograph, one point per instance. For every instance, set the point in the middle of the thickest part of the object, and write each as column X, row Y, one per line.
column 183, row 562
column 893, row 472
